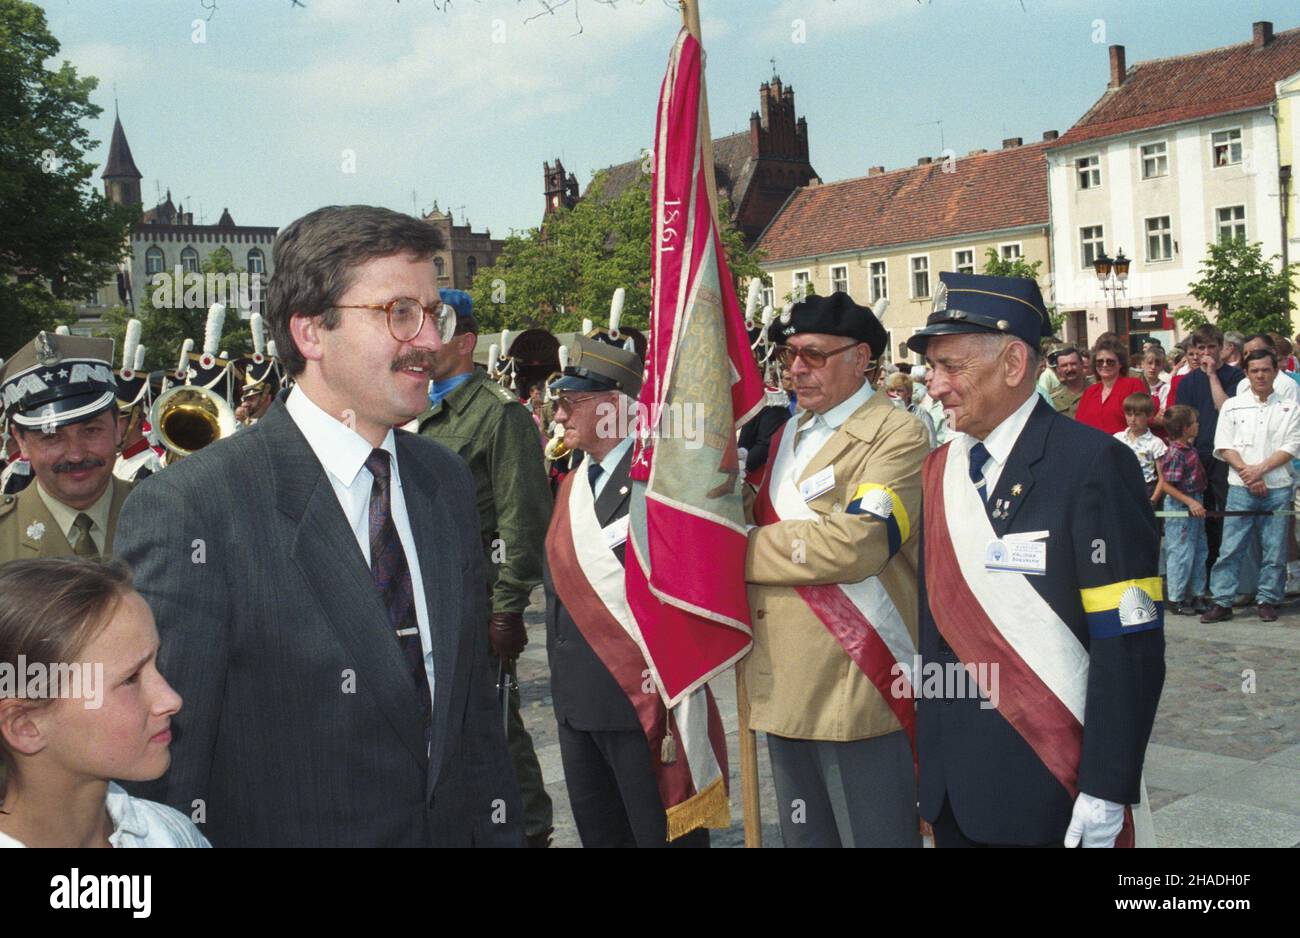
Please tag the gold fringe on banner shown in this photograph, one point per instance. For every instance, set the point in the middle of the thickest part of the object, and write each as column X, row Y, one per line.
column 708, row 808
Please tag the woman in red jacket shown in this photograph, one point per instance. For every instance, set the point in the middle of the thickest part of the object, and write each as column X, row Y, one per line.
column 1102, row 404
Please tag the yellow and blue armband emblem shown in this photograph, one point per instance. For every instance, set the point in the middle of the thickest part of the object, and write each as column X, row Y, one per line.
column 1124, row 608
column 880, row 502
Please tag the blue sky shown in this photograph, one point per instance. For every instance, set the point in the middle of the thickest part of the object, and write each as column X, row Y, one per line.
column 464, row 104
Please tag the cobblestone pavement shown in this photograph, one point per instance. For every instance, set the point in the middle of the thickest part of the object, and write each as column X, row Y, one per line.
column 1222, row 770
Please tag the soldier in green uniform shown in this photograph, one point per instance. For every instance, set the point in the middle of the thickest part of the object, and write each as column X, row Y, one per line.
column 59, row 396
column 490, row 429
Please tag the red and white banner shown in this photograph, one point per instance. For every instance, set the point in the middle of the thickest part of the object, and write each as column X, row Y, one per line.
column 589, row 581
column 686, row 557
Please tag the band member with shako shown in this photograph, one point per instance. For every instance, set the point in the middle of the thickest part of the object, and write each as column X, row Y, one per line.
column 261, row 377
column 1040, row 575
column 832, row 569
column 138, row 459
column 611, row 727
column 58, row 394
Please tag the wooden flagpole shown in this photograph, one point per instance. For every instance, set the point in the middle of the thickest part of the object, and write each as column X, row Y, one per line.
column 751, row 806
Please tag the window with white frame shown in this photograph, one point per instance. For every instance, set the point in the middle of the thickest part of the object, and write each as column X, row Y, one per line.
column 840, row 279
column 1231, row 222
column 1090, row 237
column 153, row 261
column 920, row 277
column 963, row 261
column 1160, row 238
column 256, row 261
column 879, row 281
column 765, row 297
column 1155, row 160
column 1089, row 171
column 801, row 280
column 1009, row 252
column 92, row 298
column 890, row 351
column 1226, row 145
column 190, row 260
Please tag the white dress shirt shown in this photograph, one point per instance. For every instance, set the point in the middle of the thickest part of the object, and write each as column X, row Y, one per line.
column 1256, row 430
column 819, row 428
column 343, row 453
column 1002, row 440
column 140, row 823
column 610, row 463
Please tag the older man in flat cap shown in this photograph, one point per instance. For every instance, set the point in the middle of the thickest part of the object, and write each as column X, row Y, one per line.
column 1040, row 581
column 58, row 395
column 832, row 567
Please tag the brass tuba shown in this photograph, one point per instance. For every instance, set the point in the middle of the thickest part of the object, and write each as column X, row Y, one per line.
column 555, row 449
column 188, row 418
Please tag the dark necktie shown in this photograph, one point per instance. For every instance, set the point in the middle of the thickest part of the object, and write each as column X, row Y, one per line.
column 978, row 457
column 85, row 546
column 392, row 576
column 593, row 473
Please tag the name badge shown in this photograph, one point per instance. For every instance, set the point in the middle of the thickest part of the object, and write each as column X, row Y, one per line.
column 1017, row 555
column 818, row 483
column 615, row 532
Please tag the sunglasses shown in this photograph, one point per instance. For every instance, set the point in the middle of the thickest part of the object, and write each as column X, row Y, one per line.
column 812, row 357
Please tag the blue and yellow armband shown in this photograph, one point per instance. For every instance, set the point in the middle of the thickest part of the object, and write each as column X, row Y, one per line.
column 1124, row 607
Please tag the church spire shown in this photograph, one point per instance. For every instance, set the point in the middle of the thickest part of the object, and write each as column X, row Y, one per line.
column 120, row 175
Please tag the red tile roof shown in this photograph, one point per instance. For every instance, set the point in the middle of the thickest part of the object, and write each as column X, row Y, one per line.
column 987, row 192
column 1186, row 87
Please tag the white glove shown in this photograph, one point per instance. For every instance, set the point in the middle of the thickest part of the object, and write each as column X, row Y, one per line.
column 1095, row 821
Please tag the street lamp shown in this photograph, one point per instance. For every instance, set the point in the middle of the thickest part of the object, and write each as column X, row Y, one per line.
column 1112, row 274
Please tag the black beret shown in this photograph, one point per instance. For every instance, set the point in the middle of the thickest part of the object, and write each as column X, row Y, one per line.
column 836, row 314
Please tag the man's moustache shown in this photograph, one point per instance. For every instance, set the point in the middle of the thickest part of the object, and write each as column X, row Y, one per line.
column 415, row 359
column 92, row 463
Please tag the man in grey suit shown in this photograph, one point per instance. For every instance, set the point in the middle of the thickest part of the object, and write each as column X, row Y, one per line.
column 325, row 628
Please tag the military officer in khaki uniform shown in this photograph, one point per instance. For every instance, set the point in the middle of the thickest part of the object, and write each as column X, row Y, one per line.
column 832, row 567
column 1069, row 369
column 59, row 395
column 490, row 429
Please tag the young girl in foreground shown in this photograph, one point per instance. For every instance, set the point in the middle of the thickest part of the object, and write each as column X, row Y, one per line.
column 58, row 751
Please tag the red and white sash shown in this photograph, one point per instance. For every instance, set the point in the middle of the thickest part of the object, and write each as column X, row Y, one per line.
column 997, row 617
column 860, row 616
column 590, row 582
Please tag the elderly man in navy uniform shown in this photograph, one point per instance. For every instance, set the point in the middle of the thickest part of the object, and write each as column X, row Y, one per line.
column 608, row 766
column 59, row 396
column 1039, row 574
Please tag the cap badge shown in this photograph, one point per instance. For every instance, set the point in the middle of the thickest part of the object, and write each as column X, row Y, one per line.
column 787, row 312
column 940, row 299
column 46, row 353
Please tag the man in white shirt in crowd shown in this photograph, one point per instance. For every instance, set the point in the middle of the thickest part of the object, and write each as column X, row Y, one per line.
column 1257, row 436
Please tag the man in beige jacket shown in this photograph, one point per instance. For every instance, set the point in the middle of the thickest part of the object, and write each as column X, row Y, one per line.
column 832, row 567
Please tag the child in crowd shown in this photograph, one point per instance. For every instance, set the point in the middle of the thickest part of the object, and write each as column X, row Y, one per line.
column 100, row 711
column 1138, row 410
column 1153, row 370
column 1182, row 483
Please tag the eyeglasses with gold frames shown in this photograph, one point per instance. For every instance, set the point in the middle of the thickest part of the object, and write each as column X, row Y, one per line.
column 812, row 357
column 567, row 403
column 406, row 317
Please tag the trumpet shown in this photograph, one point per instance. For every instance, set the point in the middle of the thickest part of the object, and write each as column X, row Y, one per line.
column 188, row 418
column 556, row 449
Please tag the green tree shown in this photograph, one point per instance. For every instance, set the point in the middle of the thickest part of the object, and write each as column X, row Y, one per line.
column 556, row 275
column 164, row 328
column 997, row 266
column 59, row 239
column 1244, row 290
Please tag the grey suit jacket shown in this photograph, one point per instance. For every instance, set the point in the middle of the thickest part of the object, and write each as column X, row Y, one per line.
column 300, row 723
